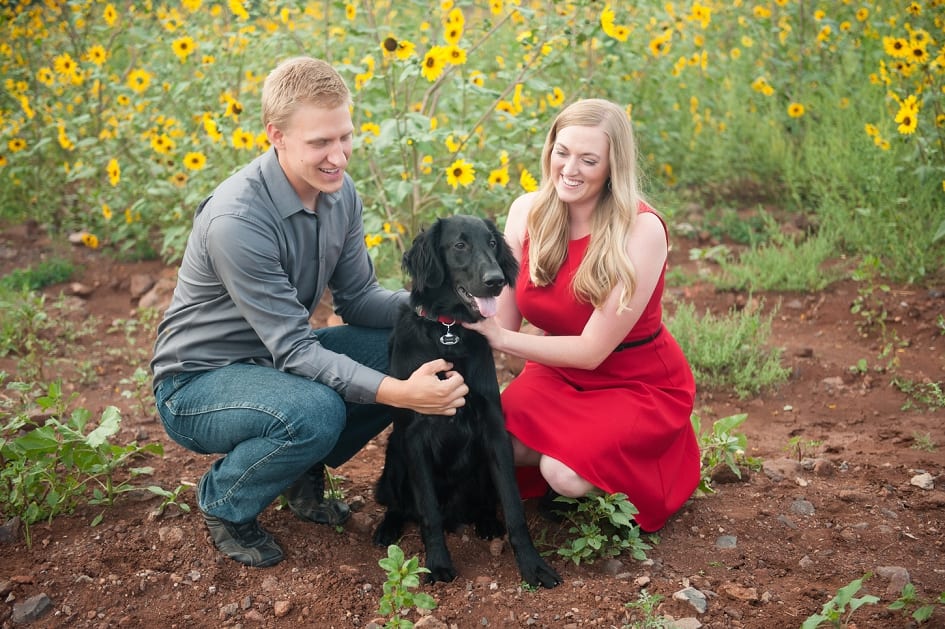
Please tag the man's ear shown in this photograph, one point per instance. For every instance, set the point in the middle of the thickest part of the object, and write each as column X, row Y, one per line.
column 275, row 136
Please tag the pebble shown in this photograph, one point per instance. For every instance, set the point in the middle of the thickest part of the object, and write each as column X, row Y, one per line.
column 694, row 597
column 31, row 609
column 726, row 541
column 898, row 578
column 802, row 507
column 923, row 481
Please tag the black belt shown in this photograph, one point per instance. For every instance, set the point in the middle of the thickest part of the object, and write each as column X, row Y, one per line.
column 639, row 342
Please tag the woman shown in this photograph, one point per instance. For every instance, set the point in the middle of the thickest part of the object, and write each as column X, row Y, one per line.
column 605, row 398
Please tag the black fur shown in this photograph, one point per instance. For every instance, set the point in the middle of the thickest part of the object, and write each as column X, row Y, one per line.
column 442, row 472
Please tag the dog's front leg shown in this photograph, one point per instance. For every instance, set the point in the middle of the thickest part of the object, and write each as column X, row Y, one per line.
column 427, row 504
column 532, row 567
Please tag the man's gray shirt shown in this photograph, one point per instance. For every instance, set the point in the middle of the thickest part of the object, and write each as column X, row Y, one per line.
column 255, row 267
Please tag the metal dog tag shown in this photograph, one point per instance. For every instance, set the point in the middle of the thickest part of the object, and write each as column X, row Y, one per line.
column 449, row 338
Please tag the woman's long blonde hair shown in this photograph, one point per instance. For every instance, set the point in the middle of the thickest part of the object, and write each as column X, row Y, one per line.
column 606, row 263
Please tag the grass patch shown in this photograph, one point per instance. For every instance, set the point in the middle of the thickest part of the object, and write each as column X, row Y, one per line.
column 729, row 351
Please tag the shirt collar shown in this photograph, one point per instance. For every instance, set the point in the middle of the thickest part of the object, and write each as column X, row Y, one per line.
column 283, row 195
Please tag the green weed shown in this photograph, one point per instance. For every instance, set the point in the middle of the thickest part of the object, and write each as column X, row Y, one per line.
column 403, row 577
column 921, row 610
column 729, row 351
column 46, row 273
column 923, row 441
column 801, row 448
column 837, row 611
column 926, row 395
column 721, row 445
column 601, row 527
column 53, row 461
column 646, row 604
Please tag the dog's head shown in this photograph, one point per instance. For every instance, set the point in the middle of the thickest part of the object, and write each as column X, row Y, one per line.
column 459, row 266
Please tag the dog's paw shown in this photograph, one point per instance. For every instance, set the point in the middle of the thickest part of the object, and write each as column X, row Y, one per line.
column 538, row 572
column 388, row 532
column 440, row 572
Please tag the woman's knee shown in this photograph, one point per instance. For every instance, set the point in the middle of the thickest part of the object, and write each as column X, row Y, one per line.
column 563, row 479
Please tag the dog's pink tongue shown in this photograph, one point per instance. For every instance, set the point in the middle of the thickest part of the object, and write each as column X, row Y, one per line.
column 486, row 305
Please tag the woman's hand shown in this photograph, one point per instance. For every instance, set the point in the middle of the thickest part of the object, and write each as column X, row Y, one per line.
column 490, row 329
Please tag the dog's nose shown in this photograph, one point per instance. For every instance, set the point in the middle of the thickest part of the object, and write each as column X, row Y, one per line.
column 494, row 279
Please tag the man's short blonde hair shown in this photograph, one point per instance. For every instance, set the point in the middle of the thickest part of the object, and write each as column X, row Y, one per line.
column 298, row 81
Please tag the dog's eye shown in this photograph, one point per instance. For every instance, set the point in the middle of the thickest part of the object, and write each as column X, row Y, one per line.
column 459, row 244
column 492, row 243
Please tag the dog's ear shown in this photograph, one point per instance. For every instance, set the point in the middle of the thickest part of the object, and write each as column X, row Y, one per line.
column 503, row 254
column 422, row 261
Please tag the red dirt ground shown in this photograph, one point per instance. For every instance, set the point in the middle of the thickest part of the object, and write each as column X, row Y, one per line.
column 862, row 514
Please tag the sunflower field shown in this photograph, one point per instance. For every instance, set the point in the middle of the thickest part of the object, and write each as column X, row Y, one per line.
column 118, row 117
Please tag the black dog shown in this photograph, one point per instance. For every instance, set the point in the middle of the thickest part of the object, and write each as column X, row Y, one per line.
column 441, row 471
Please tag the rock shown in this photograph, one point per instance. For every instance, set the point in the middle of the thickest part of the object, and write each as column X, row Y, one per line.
column 361, row 523
column 281, row 608
column 10, row 531
column 171, row 536
column 802, row 507
column 740, row 593
column 898, row 578
column 694, row 597
column 779, row 469
column 685, row 623
column 159, row 297
column 722, row 474
column 31, row 609
column 430, row 622
column 726, row 542
column 923, row 481
column 497, row 547
column 81, row 290
column 140, row 284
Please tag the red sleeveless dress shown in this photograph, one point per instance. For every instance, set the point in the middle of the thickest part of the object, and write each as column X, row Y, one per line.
column 625, row 426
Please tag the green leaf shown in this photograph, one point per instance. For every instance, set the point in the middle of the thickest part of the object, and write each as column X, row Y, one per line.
column 108, row 426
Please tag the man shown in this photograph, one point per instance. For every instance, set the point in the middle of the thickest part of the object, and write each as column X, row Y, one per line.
column 238, row 370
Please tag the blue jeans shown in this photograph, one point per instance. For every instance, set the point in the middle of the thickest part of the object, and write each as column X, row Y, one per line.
column 270, row 426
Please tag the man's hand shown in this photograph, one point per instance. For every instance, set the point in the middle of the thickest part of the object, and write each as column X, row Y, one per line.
column 425, row 391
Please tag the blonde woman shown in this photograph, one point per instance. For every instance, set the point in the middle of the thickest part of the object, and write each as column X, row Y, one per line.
column 605, row 398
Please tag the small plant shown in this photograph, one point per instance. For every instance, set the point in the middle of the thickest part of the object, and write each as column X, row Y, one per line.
column 928, row 394
column 923, row 441
column 869, row 304
column 49, row 466
column 646, row 604
column 602, row 526
column 44, row 274
column 141, row 393
column 860, row 368
column 721, row 445
column 729, row 351
column 403, row 576
column 169, row 498
column 921, row 610
column 838, row 610
column 801, row 449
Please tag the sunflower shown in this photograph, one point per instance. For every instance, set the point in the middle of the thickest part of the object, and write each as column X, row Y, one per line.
column 16, row 145
column 351, row 11
column 242, row 139
column 895, row 46
column 110, row 15
column 527, row 181
column 499, row 177
column 114, row 172
column 433, row 63
column 195, row 161
column 139, row 80
column 460, row 173
column 908, row 116
column 183, row 47
column 162, row 143
column 455, row 55
column 556, row 97
column 97, row 55
column 90, row 240
column 795, row 110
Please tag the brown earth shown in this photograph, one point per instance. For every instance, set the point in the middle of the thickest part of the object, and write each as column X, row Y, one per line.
column 801, row 530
